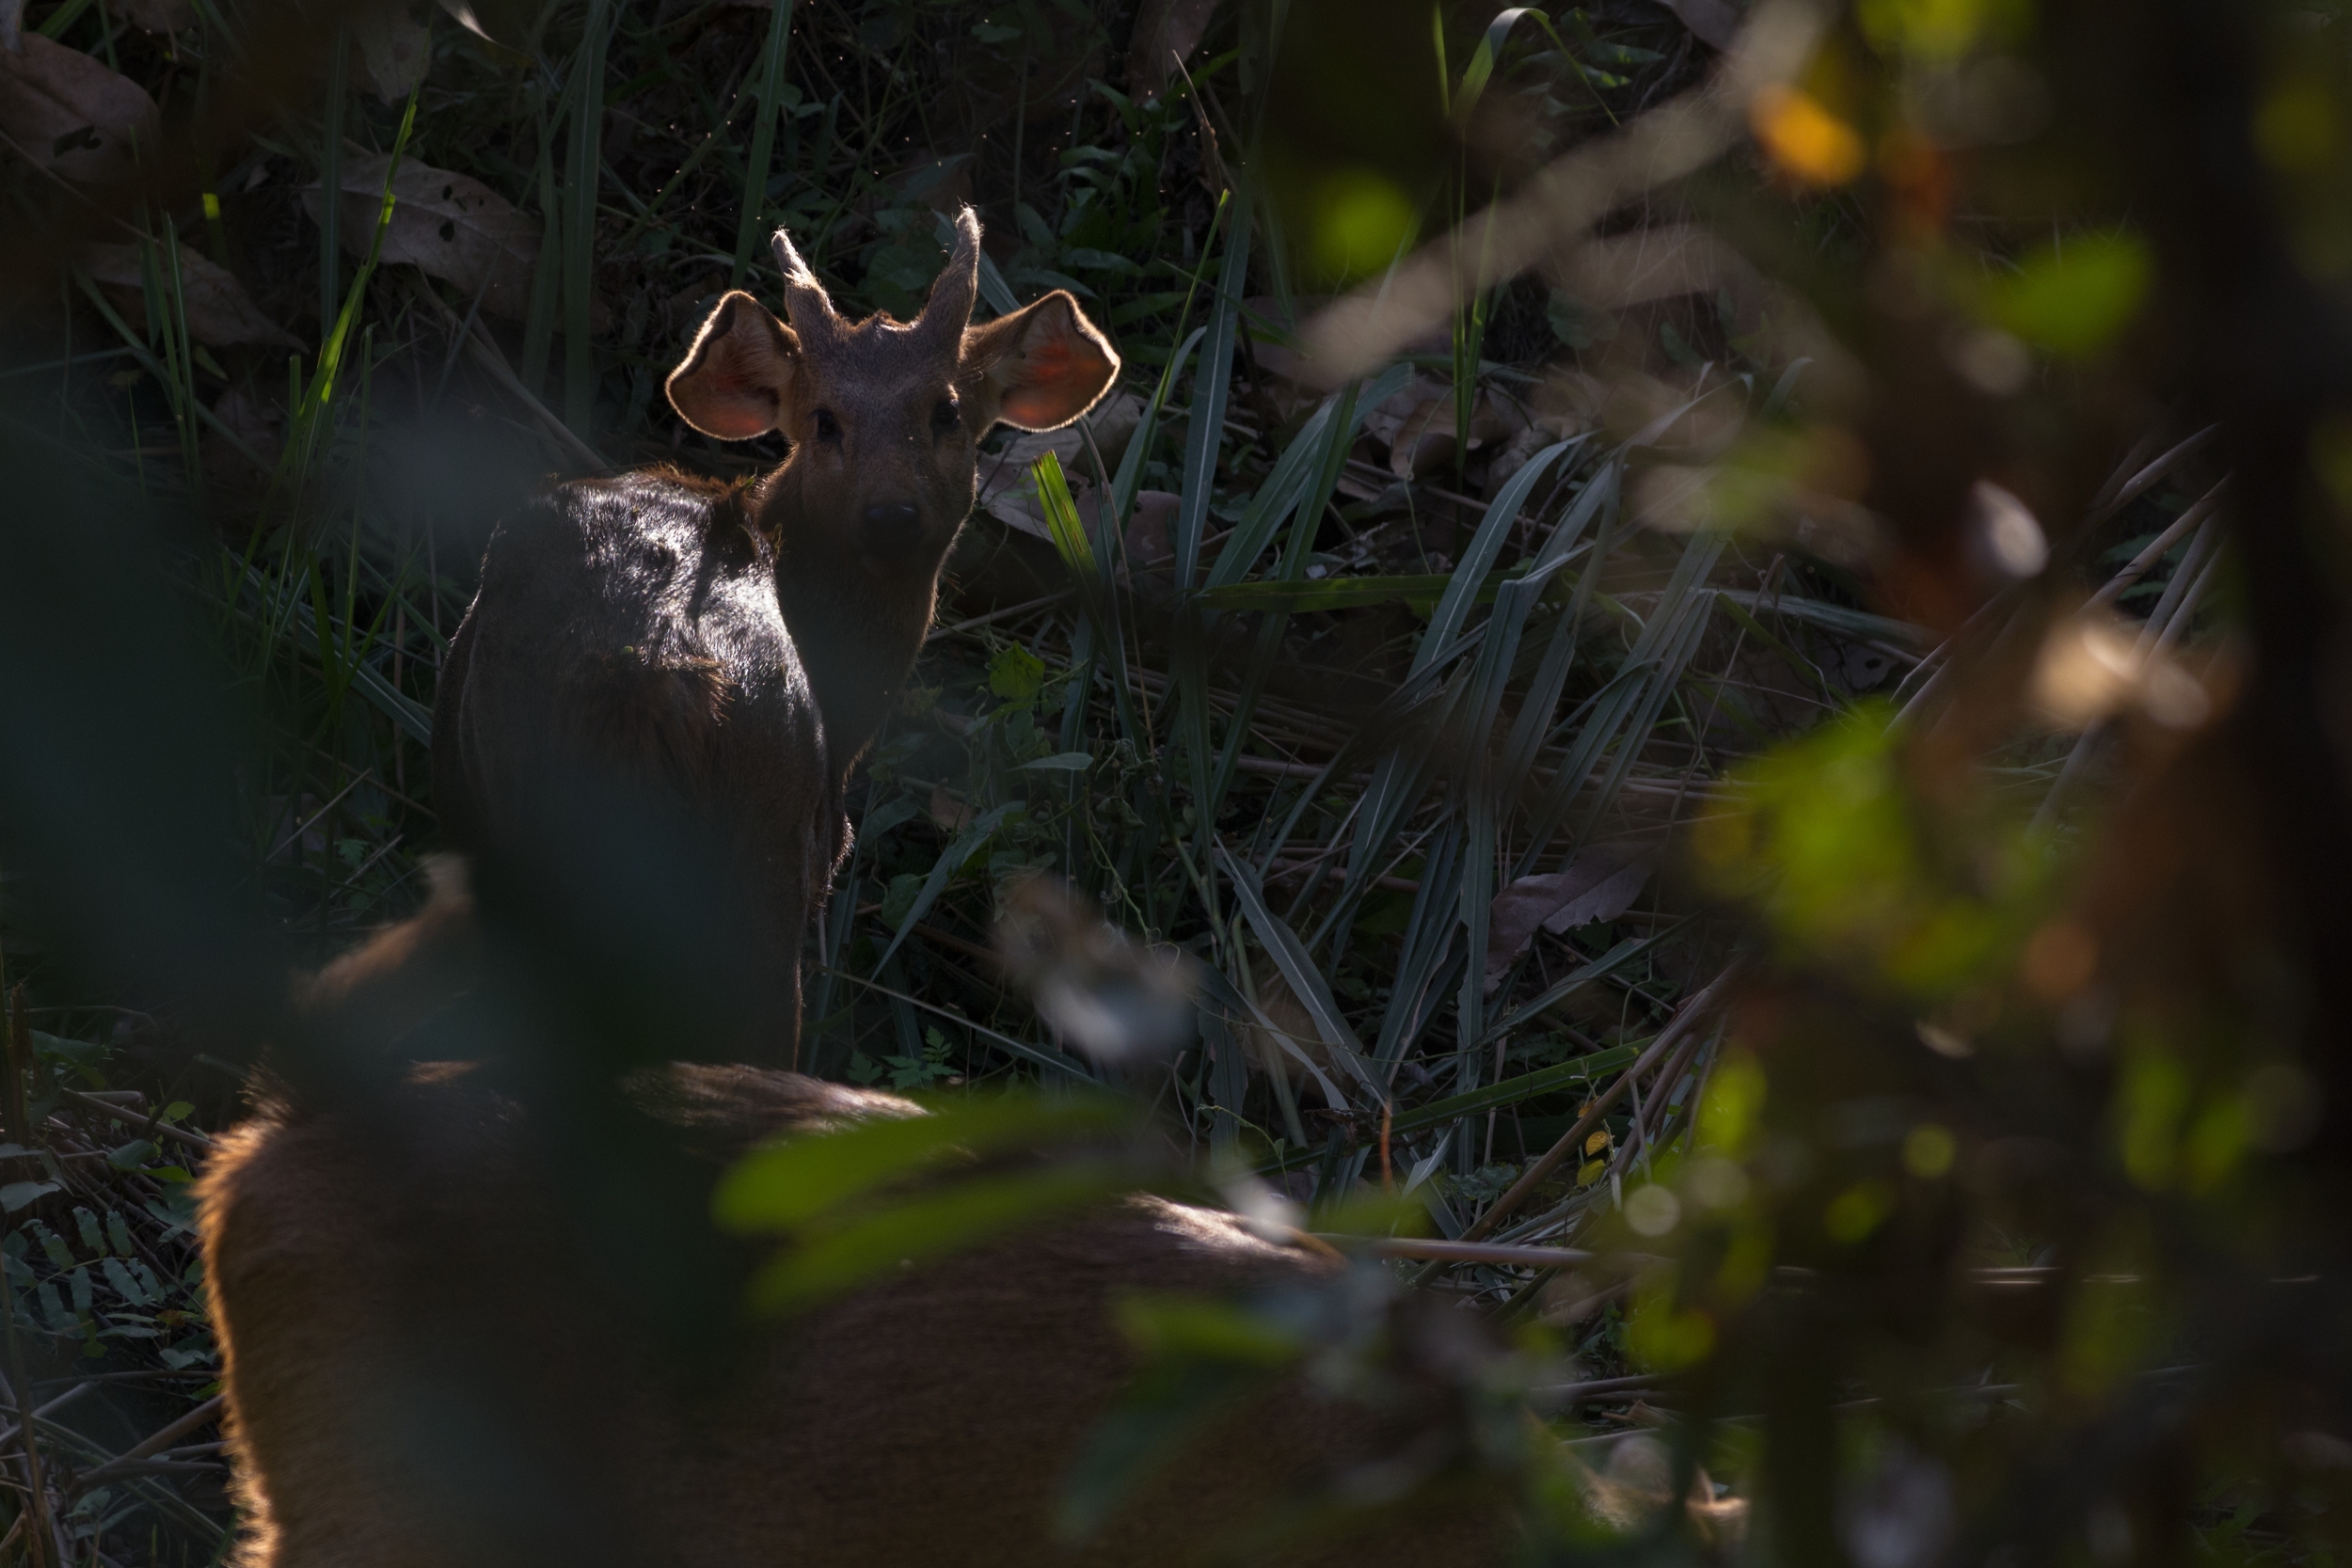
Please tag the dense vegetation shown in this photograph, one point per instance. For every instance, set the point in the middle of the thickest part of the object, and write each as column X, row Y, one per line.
column 1609, row 721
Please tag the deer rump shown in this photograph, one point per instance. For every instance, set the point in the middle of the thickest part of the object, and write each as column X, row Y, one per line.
column 427, row 1364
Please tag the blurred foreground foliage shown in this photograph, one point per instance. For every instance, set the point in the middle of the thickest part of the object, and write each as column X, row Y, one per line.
column 1758, row 701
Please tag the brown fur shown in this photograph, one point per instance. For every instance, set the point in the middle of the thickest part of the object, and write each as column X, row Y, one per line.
column 690, row 670
column 427, row 1370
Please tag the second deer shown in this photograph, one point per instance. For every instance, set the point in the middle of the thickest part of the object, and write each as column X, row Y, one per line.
column 647, row 719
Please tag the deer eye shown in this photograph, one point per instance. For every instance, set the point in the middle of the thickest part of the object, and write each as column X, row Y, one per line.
column 944, row 417
column 828, row 428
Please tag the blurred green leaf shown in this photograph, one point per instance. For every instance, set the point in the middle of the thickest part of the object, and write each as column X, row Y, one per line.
column 962, row 1214
column 792, row 1184
column 1201, row 1357
column 2073, row 297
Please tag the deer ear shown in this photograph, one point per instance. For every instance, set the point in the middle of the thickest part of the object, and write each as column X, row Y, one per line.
column 1045, row 364
column 732, row 383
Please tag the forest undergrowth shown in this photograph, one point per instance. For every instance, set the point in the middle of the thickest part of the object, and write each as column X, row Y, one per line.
column 1398, row 703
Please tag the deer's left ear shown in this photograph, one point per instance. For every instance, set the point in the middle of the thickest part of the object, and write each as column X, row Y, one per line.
column 732, row 383
column 1042, row 365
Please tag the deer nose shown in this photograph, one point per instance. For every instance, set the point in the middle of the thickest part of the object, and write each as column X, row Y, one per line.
column 892, row 526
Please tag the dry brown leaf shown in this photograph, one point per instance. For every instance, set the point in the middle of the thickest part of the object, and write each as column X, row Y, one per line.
column 948, row 814
column 395, row 49
column 253, row 422
column 451, row 225
column 1599, row 884
column 70, row 113
column 1426, row 438
column 1150, row 531
column 160, row 16
column 219, row 311
column 1293, row 1047
column 1112, row 423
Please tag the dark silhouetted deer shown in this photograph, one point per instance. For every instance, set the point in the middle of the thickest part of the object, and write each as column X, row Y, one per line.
column 646, row 720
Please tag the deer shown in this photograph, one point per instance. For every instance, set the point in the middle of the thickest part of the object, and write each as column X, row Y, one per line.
column 443, row 1350
column 649, row 716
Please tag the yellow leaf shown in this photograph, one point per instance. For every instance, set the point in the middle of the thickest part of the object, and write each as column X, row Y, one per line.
column 1803, row 140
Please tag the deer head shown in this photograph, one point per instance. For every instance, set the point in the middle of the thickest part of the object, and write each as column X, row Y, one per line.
column 884, row 416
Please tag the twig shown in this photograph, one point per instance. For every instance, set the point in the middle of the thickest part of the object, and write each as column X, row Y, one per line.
column 203, row 1414
column 177, row 1134
column 40, row 1535
column 994, row 615
column 1574, row 1138
column 486, row 353
column 42, row 1412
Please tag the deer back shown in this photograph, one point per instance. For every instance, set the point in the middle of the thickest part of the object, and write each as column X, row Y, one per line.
column 428, row 1361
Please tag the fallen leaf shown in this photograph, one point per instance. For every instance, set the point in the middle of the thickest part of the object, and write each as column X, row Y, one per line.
column 1153, row 518
column 1293, row 1047
column 70, row 113
column 395, row 49
column 1008, row 492
column 160, row 16
column 949, row 814
column 1599, row 884
column 1112, row 423
column 451, row 225
column 1165, row 32
column 219, row 311
column 1426, row 438
column 252, row 421
column 1532, row 437
column 1386, row 419
column 1713, row 23
column 1151, row 536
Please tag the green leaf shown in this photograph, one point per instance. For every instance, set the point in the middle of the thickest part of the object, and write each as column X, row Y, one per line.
column 1201, row 1356
column 788, row 1186
column 2072, row 297
column 133, row 1155
column 23, row 1194
column 1063, row 762
column 899, row 897
column 1061, row 518
column 1015, row 674
column 1514, row 1091
column 959, row 1216
column 1210, row 1330
column 951, row 860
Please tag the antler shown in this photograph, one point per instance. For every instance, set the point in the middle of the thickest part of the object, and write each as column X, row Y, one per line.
column 949, row 309
column 807, row 306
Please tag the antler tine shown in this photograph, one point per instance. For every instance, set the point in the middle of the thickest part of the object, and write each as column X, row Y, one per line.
column 807, row 306
column 949, row 309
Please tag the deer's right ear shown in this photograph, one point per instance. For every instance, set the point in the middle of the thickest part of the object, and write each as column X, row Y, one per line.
column 735, row 379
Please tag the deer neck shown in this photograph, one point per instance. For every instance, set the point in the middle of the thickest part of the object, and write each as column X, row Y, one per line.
column 857, row 633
